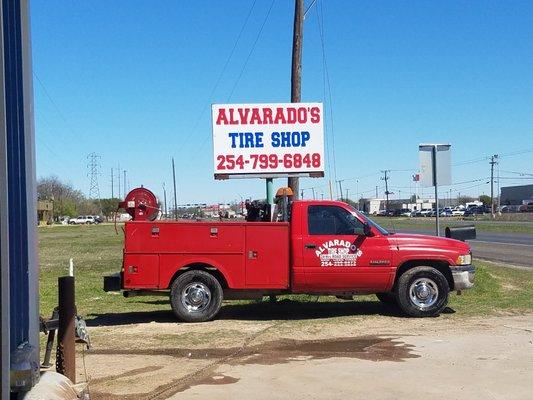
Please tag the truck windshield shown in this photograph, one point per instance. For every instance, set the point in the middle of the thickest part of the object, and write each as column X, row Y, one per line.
column 381, row 230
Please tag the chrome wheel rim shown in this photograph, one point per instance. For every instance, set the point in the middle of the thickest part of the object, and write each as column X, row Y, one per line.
column 195, row 297
column 423, row 293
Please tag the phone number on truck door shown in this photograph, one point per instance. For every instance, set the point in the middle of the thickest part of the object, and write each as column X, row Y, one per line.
column 268, row 161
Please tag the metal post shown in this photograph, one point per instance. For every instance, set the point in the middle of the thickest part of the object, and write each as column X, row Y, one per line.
column 270, row 190
column 118, row 176
column 125, row 189
column 66, row 346
column 175, row 193
column 165, row 199
column 435, row 183
column 340, row 189
column 50, row 342
column 492, row 162
column 19, row 302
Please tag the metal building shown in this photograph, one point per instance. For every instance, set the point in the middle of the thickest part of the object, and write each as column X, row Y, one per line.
column 515, row 195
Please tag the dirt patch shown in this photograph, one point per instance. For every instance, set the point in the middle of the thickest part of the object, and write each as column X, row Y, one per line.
column 169, row 360
column 270, row 353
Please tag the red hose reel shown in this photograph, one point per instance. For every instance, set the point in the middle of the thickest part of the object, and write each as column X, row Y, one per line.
column 141, row 204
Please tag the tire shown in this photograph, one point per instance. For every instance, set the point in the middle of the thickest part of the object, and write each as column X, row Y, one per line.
column 387, row 298
column 196, row 296
column 422, row 292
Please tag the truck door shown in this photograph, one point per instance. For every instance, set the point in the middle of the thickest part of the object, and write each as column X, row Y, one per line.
column 338, row 256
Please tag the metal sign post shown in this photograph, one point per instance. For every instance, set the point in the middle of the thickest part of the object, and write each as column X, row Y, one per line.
column 436, row 184
column 435, row 170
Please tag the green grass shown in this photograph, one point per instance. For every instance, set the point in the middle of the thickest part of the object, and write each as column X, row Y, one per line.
column 97, row 251
column 481, row 225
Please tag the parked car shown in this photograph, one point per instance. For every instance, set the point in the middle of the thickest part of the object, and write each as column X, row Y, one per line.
column 426, row 213
column 476, row 210
column 401, row 212
column 446, row 212
column 526, row 207
column 97, row 219
column 82, row 219
column 458, row 212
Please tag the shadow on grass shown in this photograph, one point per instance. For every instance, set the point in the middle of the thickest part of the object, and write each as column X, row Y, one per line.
column 261, row 311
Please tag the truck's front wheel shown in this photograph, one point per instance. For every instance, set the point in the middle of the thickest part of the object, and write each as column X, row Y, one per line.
column 422, row 292
column 196, row 296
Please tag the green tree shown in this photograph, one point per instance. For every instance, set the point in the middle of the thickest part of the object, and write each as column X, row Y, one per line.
column 66, row 199
column 485, row 199
column 109, row 206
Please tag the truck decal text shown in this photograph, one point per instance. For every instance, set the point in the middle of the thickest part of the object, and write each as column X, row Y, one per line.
column 338, row 253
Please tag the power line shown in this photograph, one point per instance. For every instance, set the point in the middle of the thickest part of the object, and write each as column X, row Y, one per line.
column 251, row 50
column 320, row 19
column 200, row 148
column 518, row 173
column 219, row 79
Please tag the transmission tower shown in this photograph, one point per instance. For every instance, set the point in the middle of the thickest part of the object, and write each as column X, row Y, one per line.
column 93, row 168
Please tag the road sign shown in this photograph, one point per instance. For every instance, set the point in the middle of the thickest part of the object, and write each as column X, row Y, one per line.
column 435, row 170
column 268, row 140
column 435, row 165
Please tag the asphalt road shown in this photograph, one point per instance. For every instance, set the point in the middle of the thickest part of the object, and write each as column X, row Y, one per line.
column 509, row 248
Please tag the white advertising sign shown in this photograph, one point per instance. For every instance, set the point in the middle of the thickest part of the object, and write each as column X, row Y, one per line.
column 268, row 140
column 440, row 168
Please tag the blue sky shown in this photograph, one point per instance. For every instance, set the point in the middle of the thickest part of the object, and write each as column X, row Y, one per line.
column 133, row 81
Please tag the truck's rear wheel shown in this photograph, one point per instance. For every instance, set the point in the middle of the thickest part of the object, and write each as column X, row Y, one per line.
column 196, row 296
column 422, row 292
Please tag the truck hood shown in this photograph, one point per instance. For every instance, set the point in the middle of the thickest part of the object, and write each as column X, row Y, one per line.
column 410, row 241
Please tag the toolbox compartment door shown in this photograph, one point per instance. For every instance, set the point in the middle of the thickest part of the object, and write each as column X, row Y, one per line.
column 141, row 271
column 267, row 255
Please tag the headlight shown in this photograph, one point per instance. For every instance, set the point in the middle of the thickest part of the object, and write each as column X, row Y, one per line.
column 464, row 260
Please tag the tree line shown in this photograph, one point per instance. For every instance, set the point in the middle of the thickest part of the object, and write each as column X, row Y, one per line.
column 71, row 202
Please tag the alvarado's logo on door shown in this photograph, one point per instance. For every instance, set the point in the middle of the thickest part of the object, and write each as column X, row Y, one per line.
column 338, row 253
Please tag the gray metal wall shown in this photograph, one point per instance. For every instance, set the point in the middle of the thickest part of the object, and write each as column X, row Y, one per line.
column 515, row 194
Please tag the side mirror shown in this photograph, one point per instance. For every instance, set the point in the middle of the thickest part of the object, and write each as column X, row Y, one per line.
column 365, row 230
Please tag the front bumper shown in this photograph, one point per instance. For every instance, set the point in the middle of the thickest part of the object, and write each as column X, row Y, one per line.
column 463, row 276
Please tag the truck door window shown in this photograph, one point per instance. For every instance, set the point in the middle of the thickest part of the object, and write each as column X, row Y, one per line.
column 331, row 220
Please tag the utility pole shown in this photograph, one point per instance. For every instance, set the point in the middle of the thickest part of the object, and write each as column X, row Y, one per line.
column 493, row 161
column 376, row 192
column 296, row 72
column 112, row 188
column 118, row 178
column 313, row 189
column 302, row 193
column 175, row 194
column 125, row 190
column 340, row 188
column 386, row 179
column 346, row 199
column 165, row 199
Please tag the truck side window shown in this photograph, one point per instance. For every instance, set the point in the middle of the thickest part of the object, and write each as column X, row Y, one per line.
column 331, row 220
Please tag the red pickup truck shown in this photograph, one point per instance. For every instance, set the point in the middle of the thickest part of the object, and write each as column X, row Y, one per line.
column 326, row 248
